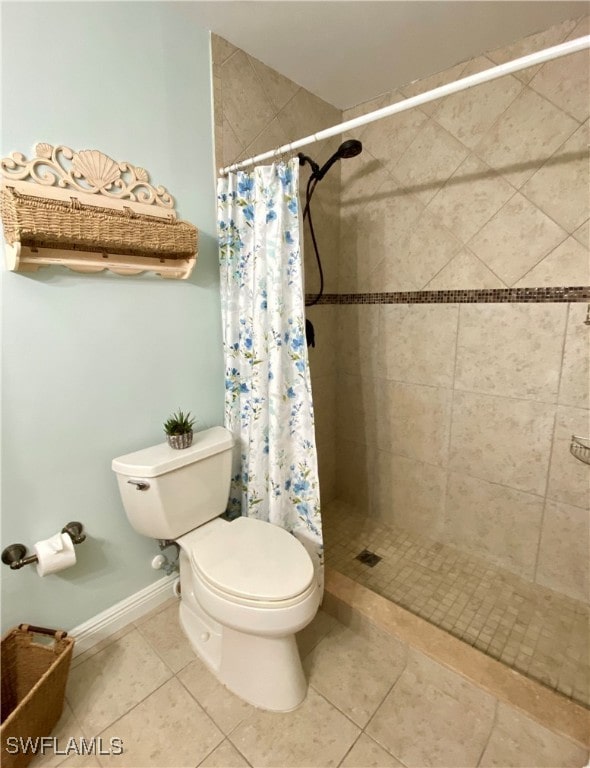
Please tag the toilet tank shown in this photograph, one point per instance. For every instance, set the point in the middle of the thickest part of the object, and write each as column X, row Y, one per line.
column 174, row 491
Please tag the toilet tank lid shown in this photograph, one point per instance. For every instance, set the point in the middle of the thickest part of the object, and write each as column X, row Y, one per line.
column 159, row 459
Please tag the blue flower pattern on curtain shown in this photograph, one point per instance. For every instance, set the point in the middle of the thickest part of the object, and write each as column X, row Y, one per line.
column 268, row 401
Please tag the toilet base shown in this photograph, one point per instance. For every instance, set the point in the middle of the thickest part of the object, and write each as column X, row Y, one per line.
column 264, row 671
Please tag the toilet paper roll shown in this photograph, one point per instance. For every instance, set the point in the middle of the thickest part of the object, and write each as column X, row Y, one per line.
column 54, row 554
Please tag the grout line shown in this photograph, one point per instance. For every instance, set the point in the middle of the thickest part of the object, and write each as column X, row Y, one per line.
column 552, row 446
column 447, row 466
column 494, row 723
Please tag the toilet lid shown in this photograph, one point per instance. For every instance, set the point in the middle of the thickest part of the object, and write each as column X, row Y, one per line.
column 256, row 560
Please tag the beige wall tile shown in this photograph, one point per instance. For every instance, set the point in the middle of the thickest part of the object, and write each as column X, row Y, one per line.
column 470, row 198
column 279, row 88
column 582, row 234
column 150, row 731
column 359, row 402
column 526, row 135
column 563, row 554
column 498, row 523
column 516, row 239
column 387, row 139
column 380, row 237
column 565, row 82
column 417, row 494
column 433, row 81
column 560, row 187
column 358, row 327
column 271, row 136
column 418, row 342
column 353, row 672
column 428, row 247
column 575, row 379
column 429, row 161
column 221, row 49
column 245, row 104
column 464, row 270
column 364, row 108
column 363, row 180
column 568, row 264
column 231, row 147
column 322, row 358
column 518, row 740
column 548, row 37
column 434, row 717
column 469, row 114
column 418, row 418
column 353, row 467
column 316, row 734
column 511, row 349
column 502, row 440
column 306, row 113
column 569, row 478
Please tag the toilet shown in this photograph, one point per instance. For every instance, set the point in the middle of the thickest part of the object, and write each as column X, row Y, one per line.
column 247, row 586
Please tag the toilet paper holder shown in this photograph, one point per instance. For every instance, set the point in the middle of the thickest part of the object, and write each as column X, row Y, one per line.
column 14, row 554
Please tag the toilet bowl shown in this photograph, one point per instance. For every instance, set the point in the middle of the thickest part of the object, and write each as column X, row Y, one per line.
column 247, row 586
column 251, row 586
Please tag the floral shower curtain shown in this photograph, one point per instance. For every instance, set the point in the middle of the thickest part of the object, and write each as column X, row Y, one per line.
column 268, row 403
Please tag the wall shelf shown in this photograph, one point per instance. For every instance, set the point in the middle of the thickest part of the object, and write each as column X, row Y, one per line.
column 84, row 211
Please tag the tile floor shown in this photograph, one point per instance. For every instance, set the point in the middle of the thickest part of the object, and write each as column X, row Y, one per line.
column 539, row 632
column 372, row 701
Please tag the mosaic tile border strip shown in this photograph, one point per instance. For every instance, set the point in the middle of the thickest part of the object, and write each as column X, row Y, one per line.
column 466, row 296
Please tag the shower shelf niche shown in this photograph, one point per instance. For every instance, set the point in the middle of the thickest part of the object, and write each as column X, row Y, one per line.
column 85, row 211
column 580, row 448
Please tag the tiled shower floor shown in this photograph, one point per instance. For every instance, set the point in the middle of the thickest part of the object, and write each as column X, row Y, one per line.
column 532, row 629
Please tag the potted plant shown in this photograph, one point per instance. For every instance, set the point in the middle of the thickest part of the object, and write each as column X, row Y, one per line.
column 179, row 430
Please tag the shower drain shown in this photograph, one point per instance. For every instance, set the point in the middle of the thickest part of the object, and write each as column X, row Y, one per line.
column 368, row 558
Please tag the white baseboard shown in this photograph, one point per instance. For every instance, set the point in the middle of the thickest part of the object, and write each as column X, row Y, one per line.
column 117, row 616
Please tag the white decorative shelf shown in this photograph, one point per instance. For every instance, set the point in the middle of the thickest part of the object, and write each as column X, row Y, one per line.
column 84, row 211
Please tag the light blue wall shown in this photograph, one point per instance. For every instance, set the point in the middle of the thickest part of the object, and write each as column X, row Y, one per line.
column 93, row 364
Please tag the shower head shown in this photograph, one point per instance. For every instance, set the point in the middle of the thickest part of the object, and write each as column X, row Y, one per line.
column 350, row 148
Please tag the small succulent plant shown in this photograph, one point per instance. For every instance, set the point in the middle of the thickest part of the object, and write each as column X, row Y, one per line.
column 179, row 423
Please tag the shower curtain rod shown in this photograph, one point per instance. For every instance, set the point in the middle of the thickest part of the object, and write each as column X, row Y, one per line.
column 564, row 49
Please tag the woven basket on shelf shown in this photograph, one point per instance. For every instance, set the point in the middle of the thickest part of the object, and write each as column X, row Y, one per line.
column 36, row 221
column 34, row 678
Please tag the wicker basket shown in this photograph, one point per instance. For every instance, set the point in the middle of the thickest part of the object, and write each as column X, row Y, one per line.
column 39, row 222
column 34, row 680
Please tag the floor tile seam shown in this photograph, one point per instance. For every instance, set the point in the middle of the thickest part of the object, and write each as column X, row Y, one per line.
column 127, row 712
column 238, row 750
column 109, row 640
column 350, row 748
column 426, row 652
column 493, row 726
column 161, row 656
column 207, row 713
column 225, row 738
column 408, row 650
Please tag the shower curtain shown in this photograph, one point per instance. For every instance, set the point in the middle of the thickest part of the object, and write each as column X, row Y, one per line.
column 268, row 403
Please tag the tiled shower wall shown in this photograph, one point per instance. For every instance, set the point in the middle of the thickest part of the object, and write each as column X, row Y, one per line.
column 256, row 109
column 454, row 420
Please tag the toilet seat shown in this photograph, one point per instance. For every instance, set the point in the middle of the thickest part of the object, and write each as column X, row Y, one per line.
column 252, row 562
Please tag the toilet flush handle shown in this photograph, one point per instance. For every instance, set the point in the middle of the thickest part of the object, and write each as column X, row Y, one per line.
column 141, row 485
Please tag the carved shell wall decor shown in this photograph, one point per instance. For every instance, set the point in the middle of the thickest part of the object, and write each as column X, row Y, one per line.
column 88, row 170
